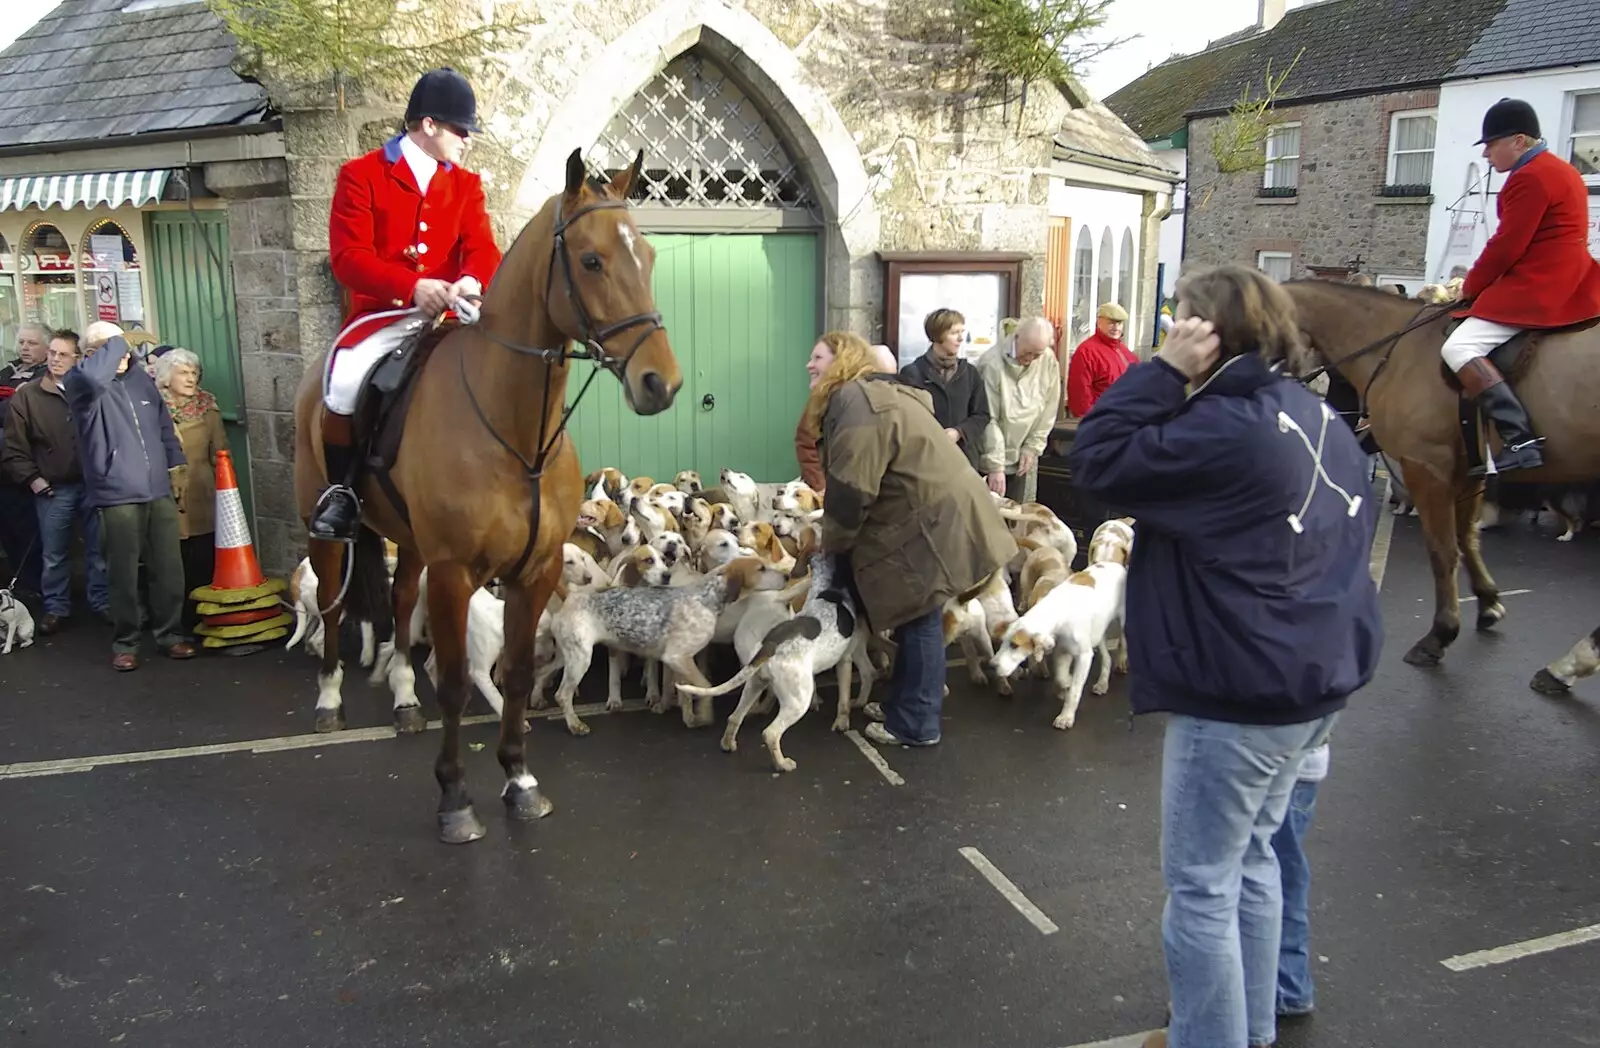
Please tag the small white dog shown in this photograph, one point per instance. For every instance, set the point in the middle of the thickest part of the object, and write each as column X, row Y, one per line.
column 16, row 623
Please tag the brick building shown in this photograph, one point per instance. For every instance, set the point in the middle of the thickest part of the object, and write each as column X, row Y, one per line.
column 1347, row 180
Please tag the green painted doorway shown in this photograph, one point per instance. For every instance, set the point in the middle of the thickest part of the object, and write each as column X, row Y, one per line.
column 741, row 311
column 193, row 281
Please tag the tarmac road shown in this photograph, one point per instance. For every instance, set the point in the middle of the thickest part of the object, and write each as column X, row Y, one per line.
column 683, row 897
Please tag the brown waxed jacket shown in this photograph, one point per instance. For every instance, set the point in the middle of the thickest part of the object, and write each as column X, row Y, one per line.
column 904, row 502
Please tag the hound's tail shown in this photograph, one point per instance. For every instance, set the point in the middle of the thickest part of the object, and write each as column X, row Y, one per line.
column 805, row 626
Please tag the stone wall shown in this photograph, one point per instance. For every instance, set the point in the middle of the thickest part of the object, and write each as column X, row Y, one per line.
column 1337, row 213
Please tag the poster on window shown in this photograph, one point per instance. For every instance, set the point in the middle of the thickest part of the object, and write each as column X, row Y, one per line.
column 130, row 298
column 106, row 251
column 978, row 297
column 1594, row 232
column 105, row 297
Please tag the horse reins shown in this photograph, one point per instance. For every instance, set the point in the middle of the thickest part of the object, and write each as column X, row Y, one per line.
column 1422, row 318
column 593, row 350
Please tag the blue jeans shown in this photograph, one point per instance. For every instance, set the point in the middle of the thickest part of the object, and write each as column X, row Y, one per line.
column 56, row 515
column 1295, row 993
column 1224, row 791
column 917, row 684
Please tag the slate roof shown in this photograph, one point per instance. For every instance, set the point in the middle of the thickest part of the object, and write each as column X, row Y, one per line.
column 1095, row 132
column 1535, row 34
column 1355, row 47
column 87, row 71
column 1153, row 105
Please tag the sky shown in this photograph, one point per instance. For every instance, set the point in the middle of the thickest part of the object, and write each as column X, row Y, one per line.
column 1161, row 28
column 1158, row 28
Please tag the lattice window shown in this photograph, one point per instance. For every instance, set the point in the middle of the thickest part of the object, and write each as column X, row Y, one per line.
column 705, row 143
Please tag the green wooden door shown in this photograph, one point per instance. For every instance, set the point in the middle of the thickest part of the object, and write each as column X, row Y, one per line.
column 741, row 311
column 195, row 310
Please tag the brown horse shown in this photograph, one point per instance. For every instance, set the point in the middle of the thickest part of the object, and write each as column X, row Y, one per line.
column 486, row 471
column 1416, row 419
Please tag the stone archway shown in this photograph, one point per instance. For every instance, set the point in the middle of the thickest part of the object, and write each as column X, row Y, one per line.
column 801, row 111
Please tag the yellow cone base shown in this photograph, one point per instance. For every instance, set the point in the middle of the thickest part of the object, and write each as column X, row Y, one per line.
column 247, row 631
column 259, row 638
column 234, row 597
column 260, row 603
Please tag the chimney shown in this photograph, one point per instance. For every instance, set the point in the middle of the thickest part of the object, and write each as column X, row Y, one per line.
column 1269, row 13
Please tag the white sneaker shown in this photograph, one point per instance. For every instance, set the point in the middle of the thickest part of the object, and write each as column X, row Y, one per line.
column 883, row 737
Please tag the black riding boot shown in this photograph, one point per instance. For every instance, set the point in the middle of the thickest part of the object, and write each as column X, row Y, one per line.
column 337, row 515
column 1483, row 382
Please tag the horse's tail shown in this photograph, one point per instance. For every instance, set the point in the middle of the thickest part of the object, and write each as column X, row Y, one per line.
column 368, row 599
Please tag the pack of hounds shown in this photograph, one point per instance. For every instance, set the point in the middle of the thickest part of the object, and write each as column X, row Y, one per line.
column 662, row 572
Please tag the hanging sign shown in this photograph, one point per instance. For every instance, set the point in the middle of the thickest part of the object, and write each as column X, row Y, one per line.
column 105, row 298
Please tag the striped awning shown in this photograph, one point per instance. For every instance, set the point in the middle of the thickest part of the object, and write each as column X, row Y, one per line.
column 111, row 188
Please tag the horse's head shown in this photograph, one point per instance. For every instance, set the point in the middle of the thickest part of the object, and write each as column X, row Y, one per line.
column 605, row 265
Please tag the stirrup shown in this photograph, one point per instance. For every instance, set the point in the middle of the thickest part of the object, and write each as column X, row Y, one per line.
column 327, row 503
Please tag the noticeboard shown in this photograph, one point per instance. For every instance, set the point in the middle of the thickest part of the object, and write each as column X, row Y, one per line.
column 984, row 287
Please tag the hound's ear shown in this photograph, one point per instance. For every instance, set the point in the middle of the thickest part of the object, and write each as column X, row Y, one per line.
column 622, row 182
column 736, row 576
column 576, row 172
column 775, row 550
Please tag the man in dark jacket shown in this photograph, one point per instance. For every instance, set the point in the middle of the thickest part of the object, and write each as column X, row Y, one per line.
column 40, row 455
column 960, row 402
column 128, row 449
column 19, row 527
column 1251, row 618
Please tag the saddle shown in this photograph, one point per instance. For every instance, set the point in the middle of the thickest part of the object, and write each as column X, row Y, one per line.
column 380, row 413
column 1512, row 358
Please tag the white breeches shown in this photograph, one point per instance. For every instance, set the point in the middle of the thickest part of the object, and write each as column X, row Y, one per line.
column 348, row 368
column 1473, row 339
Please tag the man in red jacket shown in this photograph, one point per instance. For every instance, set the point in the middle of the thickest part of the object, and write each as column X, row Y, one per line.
column 1535, row 272
column 409, row 236
column 1099, row 360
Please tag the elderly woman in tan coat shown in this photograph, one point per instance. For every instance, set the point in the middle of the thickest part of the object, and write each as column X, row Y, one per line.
column 198, row 421
column 916, row 523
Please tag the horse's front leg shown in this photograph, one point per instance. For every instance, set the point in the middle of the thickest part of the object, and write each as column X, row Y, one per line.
column 327, row 560
column 450, row 586
column 1435, row 501
column 524, row 604
column 408, row 716
column 1468, row 506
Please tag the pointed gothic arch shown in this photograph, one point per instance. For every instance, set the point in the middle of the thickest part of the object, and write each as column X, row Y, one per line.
column 801, row 114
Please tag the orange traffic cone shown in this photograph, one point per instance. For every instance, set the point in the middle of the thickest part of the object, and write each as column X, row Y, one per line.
column 238, row 606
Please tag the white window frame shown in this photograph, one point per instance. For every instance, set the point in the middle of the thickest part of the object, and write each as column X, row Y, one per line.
column 1394, row 153
column 1266, row 146
column 1287, row 256
column 1574, row 132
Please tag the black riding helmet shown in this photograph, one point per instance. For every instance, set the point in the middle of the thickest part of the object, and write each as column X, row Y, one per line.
column 1507, row 117
column 444, row 95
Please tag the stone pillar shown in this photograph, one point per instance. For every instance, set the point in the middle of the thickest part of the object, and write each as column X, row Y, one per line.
column 1156, row 207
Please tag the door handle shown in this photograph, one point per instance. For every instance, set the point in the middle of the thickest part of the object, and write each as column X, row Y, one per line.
column 708, row 402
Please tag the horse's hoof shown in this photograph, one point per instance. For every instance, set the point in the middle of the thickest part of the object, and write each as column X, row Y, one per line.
column 1490, row 616
column 577, row 727
column 459, row 827
column 408, row 720
column 1546, row 683
column 1419, row 655
column 526, row 805
column 330, row 720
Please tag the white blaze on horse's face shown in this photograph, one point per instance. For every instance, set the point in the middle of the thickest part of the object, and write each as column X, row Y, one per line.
column 625, row 231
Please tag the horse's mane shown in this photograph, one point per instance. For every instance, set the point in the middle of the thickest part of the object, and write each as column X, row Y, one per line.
column 1353, row 290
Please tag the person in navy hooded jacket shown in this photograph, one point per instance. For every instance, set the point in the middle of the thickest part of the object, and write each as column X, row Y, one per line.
column 1251, row 619
column 129, row 450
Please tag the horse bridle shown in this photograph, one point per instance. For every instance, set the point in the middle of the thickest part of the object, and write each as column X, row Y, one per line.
column 594, row 350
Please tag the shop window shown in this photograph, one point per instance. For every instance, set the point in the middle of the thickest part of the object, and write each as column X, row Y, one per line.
column 10, row 310
column 1107, row 257
column 48, row 273
column 1125, row 273
column 110, row 267
column 1083, row 287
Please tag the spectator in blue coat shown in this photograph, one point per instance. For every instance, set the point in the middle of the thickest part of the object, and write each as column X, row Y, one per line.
column 1251, row 619
column 130, row 451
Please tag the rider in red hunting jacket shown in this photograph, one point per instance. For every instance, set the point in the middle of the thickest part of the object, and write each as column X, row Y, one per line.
column 409, row 236
column 1535, row 272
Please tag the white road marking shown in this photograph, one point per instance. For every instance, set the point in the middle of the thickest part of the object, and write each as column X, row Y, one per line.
column 1133, row 1040
column 871, row 753
column 1503, row 593
column 73, row 765
column 1518, row 950
column 1381, row 538
column 1012, row 893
